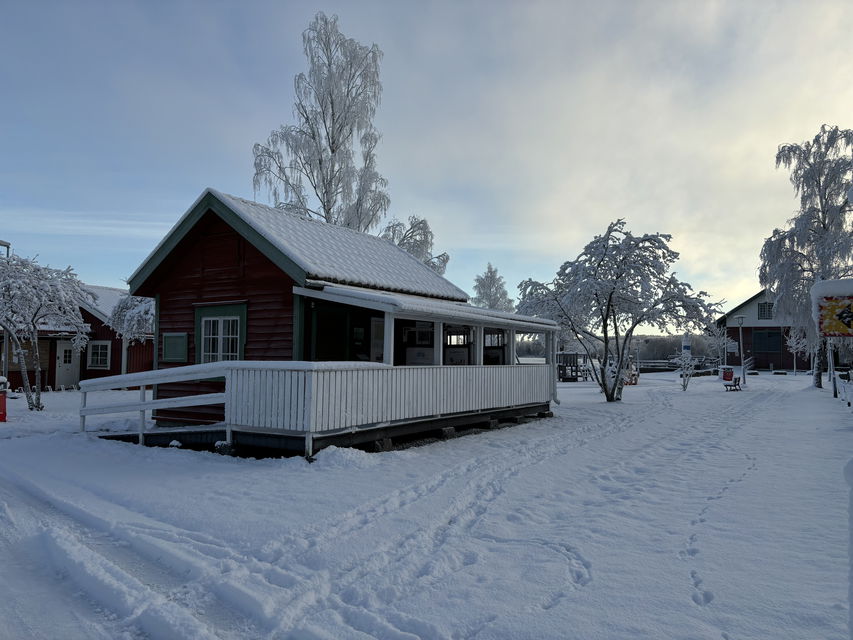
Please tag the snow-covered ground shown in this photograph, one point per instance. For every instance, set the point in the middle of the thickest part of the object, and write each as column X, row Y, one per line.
column 697, row 514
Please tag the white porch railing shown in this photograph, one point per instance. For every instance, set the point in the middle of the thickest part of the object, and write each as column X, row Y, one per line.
column 316, row 397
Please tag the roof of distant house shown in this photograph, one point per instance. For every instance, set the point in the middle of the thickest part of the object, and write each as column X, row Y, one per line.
column 106, row 298
column 309, row 249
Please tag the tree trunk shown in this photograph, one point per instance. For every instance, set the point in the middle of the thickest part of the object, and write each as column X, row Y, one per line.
column 34, row 342
column 25, row 378
column 817, row 361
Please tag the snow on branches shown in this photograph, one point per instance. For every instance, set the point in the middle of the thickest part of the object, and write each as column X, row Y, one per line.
column 818, row 241
column 34, row 298
column 417, row 239
column 324, row 165
column 618, row 282
column 490, row 290
column 133, row 318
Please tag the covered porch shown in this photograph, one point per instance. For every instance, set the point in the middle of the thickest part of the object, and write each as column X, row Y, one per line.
column 344, row 323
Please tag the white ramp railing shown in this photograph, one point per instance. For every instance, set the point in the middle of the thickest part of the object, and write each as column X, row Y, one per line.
column 314, row 397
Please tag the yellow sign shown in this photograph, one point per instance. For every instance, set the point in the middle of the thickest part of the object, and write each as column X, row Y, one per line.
column 835, row 319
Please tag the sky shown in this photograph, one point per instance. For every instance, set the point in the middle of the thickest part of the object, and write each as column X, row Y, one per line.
column 518, row 129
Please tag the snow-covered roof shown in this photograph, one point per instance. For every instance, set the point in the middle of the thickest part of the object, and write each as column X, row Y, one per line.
column 317, row 250
column 106, row 299
column 426, row 308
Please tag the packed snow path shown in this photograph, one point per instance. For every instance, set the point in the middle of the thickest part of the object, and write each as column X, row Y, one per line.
column 697, row 514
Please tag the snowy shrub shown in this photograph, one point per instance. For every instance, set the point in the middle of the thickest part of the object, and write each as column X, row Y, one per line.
column 619, row 282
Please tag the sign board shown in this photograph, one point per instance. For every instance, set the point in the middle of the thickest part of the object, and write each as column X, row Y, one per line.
column 835, row 316
column 732, row 347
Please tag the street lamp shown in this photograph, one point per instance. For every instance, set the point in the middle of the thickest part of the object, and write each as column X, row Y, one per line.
column 740, row 332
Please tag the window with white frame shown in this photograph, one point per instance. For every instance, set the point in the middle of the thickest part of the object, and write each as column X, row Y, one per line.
column 98, row 354
column 765, row 310
column 220, row 338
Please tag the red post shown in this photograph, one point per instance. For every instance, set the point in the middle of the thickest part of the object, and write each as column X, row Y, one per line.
column 2, row 406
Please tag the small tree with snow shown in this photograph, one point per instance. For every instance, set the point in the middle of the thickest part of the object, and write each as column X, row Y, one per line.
column 797, row 343
column 490, row 290
column 618, row 282
column 417, row 239
column 818, row 243
column 324, row 165
column 32, row 298
column 686, row 364
column 133, row 318
column 717, row 337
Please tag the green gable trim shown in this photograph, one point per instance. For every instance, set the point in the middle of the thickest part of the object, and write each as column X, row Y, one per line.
column 209, row 202
column 217, row 311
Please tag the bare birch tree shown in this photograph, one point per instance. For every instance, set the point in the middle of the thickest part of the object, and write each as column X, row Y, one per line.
column 324, row 165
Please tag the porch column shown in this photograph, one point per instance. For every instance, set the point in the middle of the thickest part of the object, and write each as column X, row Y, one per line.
column 478, row 345
column 511, row 346
column 388, row 334
column 438, row 343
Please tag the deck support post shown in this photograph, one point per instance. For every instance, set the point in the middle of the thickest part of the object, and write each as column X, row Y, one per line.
column 511, row 356
column 142, row 415
column 388, row 334
column 82, row 406
column 229, row 376
column 309, row 445
column 438, row 343
column 551, row 359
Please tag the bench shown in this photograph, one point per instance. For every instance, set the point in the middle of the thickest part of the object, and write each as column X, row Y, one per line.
column 734, row 385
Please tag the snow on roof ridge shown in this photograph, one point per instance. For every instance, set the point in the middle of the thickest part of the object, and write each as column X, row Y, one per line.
column 437, row 286
column 307, row 218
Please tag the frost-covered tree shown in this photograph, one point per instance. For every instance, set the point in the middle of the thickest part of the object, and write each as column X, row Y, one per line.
column 490, row 290
column 818, row 242
column 686, row 364
column 417, row 239
column 133, row 318
column 797, row 343
column 717, row 338
column 324, row 165
column 32, row 298
column 618, row 282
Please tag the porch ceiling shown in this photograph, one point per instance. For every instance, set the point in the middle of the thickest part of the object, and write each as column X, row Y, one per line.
column 422, row 308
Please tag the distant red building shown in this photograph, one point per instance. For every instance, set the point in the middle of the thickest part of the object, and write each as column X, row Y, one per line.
column 105, row 355
column 764, row 335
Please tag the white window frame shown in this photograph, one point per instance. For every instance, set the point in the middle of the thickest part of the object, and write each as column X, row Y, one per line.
column 90, row 351
column 763, row 308
column 218, row 352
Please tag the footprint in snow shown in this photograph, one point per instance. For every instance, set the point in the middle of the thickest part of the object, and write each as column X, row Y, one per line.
column 700, row 596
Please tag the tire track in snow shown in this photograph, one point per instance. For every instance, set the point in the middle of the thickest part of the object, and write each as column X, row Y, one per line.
column 141, row 593
column 417, row 560
column 428, row 544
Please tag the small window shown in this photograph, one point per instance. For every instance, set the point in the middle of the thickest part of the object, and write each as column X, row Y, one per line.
column 67, row 356
column 494, row 338
column 765, row 310
column 174, row 347
column 220, row 339
column 98, row 354
column 220, row 332
column 457, row 337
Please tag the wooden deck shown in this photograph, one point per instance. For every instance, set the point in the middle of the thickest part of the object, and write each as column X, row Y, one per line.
column 298, row 404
